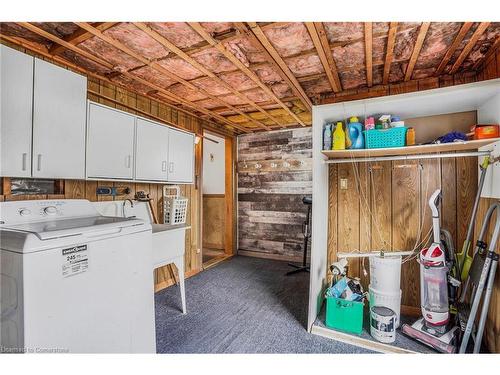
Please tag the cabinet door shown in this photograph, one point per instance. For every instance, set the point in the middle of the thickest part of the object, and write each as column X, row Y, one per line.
column 16, row 100
column 59, row 116
column 180, row 157
column 110, row 143
column 151, row 151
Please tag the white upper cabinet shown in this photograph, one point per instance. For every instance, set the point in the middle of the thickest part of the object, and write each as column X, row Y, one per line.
column 151, row 151
column 110, row 143
column 180, row 157
column 16, row 94
column 59, row 116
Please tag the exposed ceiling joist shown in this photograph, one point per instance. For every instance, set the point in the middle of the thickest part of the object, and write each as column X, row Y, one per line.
column 172, row 47
column 115, row 43
column 369, row 53
column 44, row 52
column 65, row 44
column 260, row 41
column 494, row 47
column 416, row 49
column 80, row 36
column 456, row 42
column 468, row 47
column 78, row 50
column 320, row 41
column 220, row 47
column 391, row 39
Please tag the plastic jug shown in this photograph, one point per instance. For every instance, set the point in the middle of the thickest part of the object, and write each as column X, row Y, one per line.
column 339, row 137
column 355, row 130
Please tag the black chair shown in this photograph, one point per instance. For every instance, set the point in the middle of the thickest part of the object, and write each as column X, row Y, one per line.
column 307, row 235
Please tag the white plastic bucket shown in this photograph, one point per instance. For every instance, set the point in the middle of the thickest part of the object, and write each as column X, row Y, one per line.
column 383, row 324
column 385, row 273
column 390, row 300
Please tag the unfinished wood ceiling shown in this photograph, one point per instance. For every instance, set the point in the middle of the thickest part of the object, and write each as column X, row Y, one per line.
column 258, row 76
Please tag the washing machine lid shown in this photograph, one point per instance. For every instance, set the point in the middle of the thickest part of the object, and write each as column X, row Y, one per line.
column 52, row 229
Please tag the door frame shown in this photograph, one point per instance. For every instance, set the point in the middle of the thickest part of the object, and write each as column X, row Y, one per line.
column 229, row 192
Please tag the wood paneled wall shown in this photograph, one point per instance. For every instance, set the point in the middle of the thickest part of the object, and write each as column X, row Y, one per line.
column 274, row 173
column 117, row 97
column 214, row 221
column 491, row 70
column 385, row 206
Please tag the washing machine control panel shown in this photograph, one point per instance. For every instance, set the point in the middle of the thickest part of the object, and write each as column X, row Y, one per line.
column 17, row 212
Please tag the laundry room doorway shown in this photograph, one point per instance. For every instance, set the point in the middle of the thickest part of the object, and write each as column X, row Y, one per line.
column 218, row 199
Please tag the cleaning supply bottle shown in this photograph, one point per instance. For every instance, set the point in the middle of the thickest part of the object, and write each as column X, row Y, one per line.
column 410, row 137
column 355, row 131
column 327, row 137
column 339, row 137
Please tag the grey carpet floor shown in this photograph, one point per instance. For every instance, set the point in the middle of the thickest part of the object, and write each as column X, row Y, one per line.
column 242, row 305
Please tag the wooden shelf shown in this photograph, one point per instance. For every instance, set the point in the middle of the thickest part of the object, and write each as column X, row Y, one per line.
column 409, row 150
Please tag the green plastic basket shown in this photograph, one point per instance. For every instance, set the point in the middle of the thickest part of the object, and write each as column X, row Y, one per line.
column 384, row 138
column 344, row 315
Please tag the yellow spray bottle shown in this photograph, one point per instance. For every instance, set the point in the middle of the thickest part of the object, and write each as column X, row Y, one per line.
column 339, row 137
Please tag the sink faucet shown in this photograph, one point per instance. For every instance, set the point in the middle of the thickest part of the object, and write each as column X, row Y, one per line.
column 125, row 203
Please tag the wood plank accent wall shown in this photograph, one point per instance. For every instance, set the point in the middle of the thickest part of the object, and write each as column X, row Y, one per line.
column 274, row 173
column 491, row 70
column 114, row 96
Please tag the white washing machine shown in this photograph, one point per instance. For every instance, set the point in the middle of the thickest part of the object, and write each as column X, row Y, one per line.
column 73, row 280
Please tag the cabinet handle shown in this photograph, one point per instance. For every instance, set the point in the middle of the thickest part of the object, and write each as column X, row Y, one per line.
column 171, row 167
column 24, row 160
column 39, row 162
column 127, row 161
column 163, row 166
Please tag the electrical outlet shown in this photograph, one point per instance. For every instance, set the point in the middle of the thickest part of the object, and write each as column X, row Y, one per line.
column 343, row 183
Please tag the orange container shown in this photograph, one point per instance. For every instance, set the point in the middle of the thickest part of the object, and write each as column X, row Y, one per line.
column 486, row 131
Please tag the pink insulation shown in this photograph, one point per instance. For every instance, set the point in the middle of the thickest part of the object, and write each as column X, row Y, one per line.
column 105, row 51
column 238, row 80
column 60, row 29
column 379, row 46
column 137, row 40
column 243, row 46
column 211, row 86
column 213, row 60
column 14, row 30
column 405, row 41
column 85, row 63
column 305, row 65
column 439, row 38
column 178, row 33
column 353, row 78
column 215, row 28
column 281, row 90
column 380, row 28
column 132, row 84
column 152, row 75
column 483, row 45
column 289, row 39
column 349, row 56
column 267, row 74
column 316, row 86
column 180, row 67
column 186, row 93
column 344, row 31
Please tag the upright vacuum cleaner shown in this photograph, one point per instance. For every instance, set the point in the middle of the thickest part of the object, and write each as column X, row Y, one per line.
column 434, row 328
